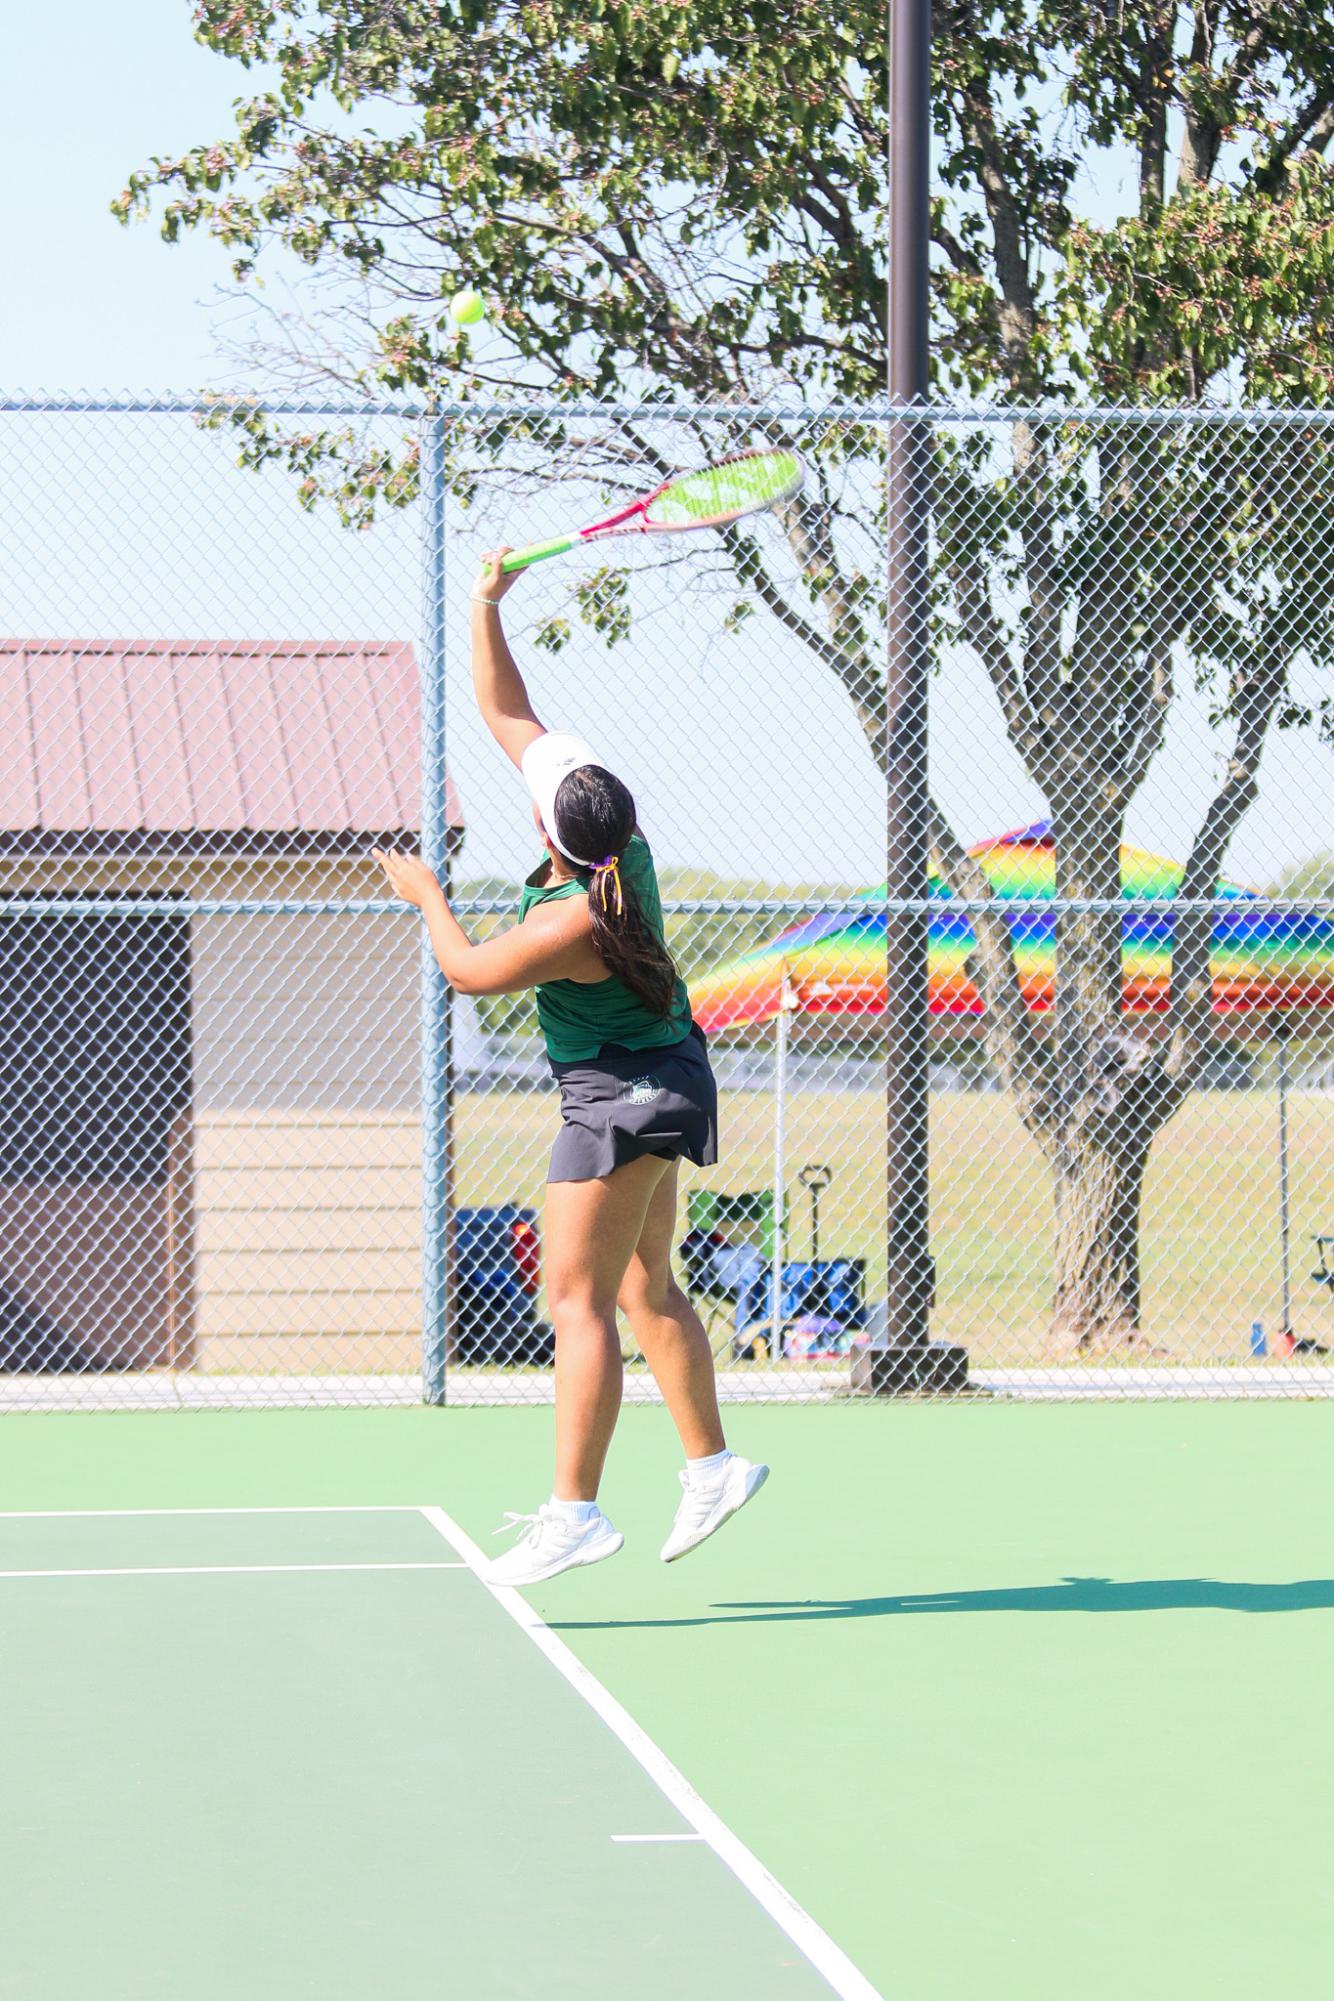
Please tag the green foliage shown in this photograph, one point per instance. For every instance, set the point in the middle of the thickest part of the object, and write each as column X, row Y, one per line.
column 526, row 153
column 672, row 202
column 689, row 201
column 1165, row 306
column 603, row 598
column 1312, row 878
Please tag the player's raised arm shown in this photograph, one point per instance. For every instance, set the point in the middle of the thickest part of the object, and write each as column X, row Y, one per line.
column 497, row 683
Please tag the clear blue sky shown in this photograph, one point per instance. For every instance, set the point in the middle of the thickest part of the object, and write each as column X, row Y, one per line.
column 96, row 90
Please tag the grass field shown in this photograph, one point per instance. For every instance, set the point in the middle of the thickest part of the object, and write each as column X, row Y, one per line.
column 308, row 1225
column 1211, row 1221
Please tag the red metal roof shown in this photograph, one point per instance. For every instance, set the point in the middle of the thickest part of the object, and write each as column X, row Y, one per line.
column 210, row 736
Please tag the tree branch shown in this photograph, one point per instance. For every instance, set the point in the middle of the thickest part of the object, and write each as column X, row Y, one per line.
column 844, row 650
column 1145, row 719
column 1042, row 648
column 982, row 630
column 1015, row 1047
column 1256, row 696
column 1202, row 132
column 1018, row 308
column 1311, row 131
column 1152, row 94
column 963, row 260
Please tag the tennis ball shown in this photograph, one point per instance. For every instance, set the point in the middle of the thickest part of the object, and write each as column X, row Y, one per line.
column 466, row 308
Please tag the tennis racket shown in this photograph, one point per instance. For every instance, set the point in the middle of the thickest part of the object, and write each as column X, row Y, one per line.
column 710, row 498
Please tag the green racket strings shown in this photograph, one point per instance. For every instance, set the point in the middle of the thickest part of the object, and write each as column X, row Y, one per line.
column 741, row 486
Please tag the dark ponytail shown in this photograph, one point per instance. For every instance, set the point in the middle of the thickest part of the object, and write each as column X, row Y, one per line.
column 597, row 817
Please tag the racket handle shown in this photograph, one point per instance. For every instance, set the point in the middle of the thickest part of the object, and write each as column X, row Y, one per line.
column 537, row 552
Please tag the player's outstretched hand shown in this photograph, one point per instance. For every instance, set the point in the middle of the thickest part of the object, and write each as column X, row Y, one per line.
column 409, row 877
column 492, row 581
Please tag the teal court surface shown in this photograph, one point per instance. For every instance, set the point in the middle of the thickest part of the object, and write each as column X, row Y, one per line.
column 974, row 1700
column 321, row 1726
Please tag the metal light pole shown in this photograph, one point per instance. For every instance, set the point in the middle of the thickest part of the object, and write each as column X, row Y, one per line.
column 910, row 1360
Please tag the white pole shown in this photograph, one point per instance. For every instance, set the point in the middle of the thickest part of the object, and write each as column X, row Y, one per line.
column 1284, row 1195
column 780, row 1139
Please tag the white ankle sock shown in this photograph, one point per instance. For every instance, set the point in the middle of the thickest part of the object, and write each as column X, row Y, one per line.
column 705, row 1469
column 574, row 1511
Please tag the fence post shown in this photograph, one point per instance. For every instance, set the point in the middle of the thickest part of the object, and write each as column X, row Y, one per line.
column 1283, row 1031
column 437, row 1204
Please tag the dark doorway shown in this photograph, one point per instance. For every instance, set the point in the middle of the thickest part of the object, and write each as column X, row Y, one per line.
column 94, row 1140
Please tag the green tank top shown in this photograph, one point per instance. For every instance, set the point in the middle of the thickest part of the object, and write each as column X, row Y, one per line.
column 576, row 1018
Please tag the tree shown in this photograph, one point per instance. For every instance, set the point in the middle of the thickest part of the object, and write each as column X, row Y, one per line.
column 687, row 203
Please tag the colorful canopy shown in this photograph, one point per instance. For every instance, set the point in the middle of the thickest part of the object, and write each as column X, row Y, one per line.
column 1265, row 959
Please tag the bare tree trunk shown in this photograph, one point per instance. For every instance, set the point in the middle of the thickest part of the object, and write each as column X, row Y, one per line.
column 1099, row 1139
column 1099, row 1182
column 1086, row 833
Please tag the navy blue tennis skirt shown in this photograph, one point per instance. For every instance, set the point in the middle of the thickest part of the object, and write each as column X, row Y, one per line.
column 625, row 1102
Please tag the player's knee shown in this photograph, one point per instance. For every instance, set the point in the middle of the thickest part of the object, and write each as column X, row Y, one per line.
column 647, row 1288
column 572, row 1297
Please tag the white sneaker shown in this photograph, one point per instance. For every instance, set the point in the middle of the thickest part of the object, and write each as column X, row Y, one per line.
column 552, row 1543
column 706, row 1506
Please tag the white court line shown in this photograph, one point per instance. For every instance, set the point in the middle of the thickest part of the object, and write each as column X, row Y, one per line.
column 226, row 1569
column 123, row 1514
column 797, row 1924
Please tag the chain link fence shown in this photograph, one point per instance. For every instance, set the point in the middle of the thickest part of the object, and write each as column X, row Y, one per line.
column 252, row 1153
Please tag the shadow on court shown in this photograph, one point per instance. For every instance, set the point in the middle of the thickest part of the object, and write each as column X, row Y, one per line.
column 1072, row 1594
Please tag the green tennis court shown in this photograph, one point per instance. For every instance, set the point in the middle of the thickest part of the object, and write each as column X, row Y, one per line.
column 1022, row 1701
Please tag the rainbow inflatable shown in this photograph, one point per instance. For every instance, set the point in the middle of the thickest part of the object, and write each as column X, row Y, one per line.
column 1264, row 959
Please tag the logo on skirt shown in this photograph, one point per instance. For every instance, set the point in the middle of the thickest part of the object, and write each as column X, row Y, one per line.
column 643, row 1090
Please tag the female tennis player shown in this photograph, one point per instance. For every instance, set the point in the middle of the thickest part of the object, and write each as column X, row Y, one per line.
column 637, row 1097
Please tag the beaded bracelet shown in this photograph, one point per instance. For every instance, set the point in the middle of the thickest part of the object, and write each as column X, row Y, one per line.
column 474, row 599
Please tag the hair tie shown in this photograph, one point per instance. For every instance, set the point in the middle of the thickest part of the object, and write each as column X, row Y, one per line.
column 611, row 866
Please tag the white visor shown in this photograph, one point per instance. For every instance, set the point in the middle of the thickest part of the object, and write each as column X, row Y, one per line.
column 548, row 760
